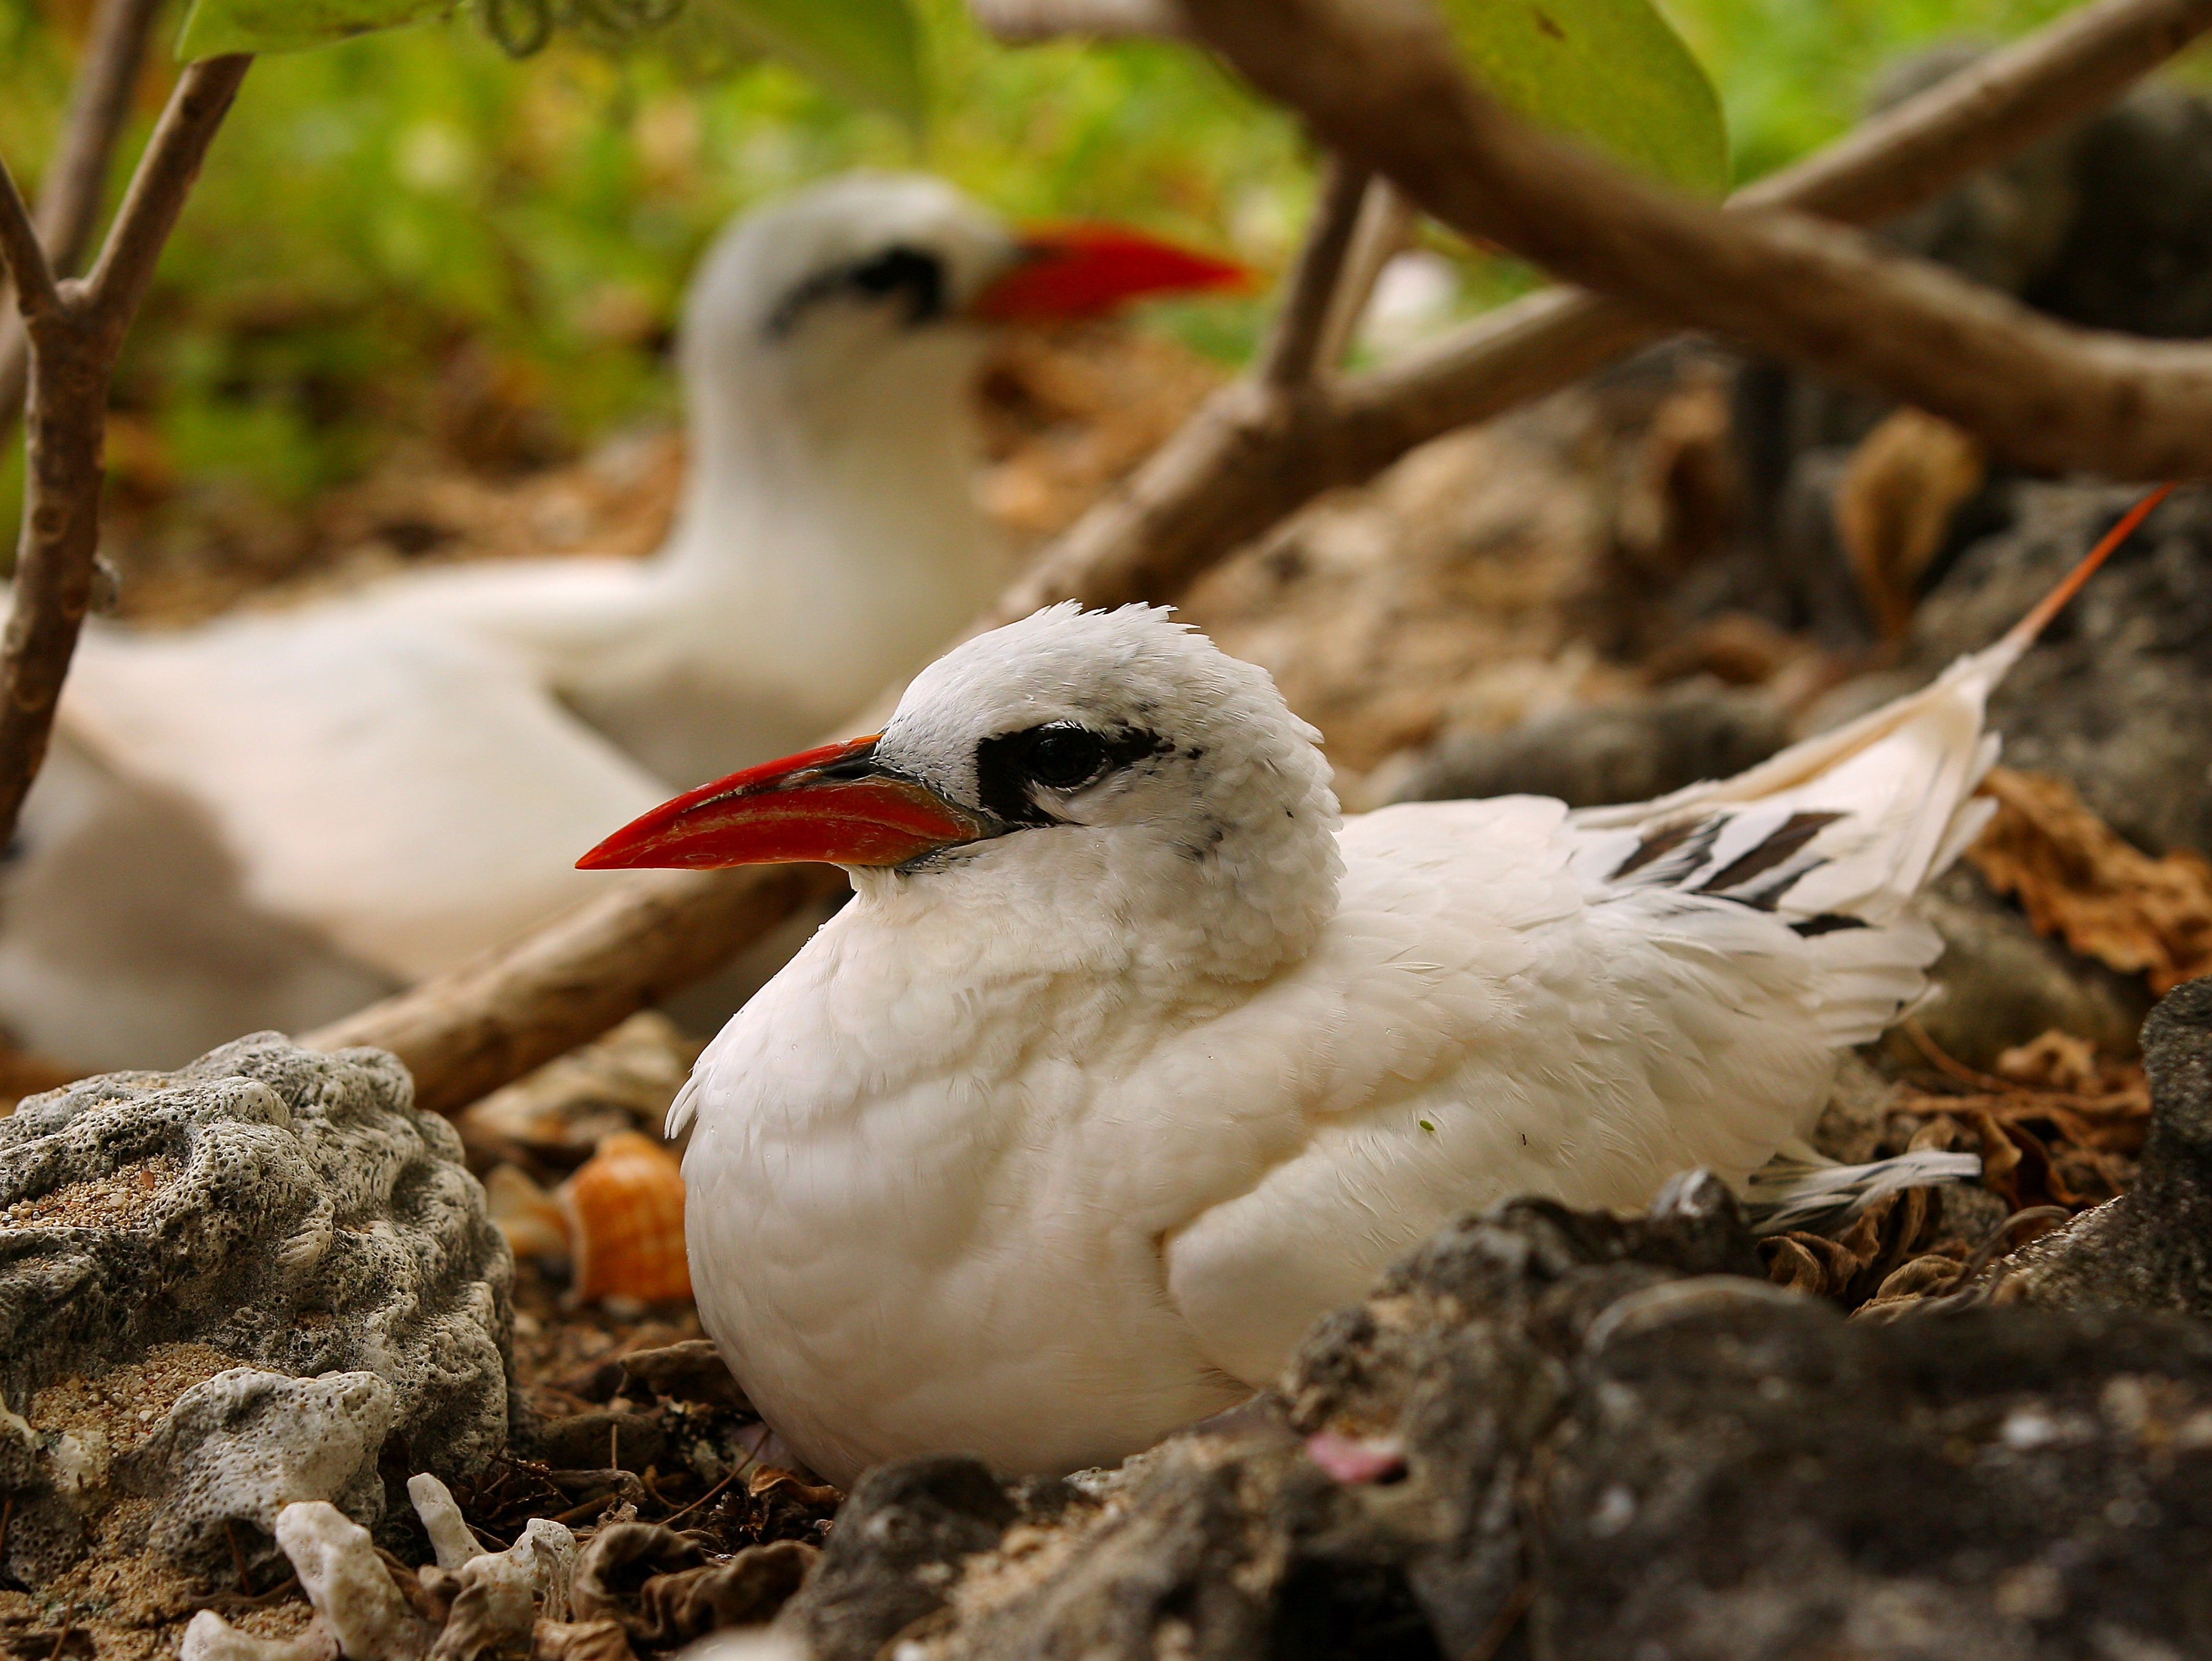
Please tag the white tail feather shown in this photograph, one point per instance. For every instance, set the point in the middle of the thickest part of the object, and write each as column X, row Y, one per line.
column 1893, row 794
column 1836, row 836
column 1808, row 1193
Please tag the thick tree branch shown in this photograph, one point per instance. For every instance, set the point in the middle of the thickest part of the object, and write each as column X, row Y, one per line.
column 1233, row 471
column 1290, row 357
column 73, row 348
column 1215, row 484
column 1379, row 81
column 69, row 196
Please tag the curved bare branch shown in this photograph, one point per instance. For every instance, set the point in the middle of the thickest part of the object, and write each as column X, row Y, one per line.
column 1378, row 80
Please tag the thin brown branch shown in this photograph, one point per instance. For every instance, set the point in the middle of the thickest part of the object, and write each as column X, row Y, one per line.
column 73, row 348
column 68, row 195
column 1378, row 80
column 1289, row 359
column 1387, row 222
column 158, row 188
column 1227, row 476
column 22, row 253
column 99, row 103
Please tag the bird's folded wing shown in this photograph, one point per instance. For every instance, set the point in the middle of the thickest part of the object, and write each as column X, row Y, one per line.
column 1479, row 1022
column 414, row 796
column 1844, row 827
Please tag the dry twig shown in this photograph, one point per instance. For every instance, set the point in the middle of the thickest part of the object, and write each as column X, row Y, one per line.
column 75, row 329
column 69, row 196
column 1227, row 476
column 1292, row 358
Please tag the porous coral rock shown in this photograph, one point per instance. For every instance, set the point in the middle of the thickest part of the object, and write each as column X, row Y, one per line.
column 245, row 1444
column 221, row 1290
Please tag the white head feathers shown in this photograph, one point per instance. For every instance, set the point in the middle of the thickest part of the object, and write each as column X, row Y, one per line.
column 1140, row 771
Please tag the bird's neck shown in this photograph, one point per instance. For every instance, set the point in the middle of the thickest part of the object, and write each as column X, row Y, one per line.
column 837, row 524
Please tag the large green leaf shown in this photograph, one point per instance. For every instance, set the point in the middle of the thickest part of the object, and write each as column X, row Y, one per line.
column 1613, row 72
column 869, row 50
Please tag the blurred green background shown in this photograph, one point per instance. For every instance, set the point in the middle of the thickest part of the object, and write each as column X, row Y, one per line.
column 409, row 236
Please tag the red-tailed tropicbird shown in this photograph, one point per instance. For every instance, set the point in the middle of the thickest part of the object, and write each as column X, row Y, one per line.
column 255, row 823
column 1128, row 1059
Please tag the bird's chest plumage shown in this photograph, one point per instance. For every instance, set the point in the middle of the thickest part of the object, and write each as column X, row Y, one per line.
column 969, row 1257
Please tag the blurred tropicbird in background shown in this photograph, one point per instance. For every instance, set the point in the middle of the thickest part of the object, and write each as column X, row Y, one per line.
column 271, row 820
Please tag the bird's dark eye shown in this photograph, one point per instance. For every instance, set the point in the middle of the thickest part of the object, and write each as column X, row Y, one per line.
column 909, row 272
column 1060, row 757
column 899, row 270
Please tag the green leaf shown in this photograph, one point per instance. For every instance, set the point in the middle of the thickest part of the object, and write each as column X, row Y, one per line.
column 1611, row 72
column 868, row 50
column 214, row 26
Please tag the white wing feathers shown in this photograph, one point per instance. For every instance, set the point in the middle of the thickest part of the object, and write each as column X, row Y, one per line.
column 351, row 769
column 1834, row 837
column 1851, row 823
column 1598, row 997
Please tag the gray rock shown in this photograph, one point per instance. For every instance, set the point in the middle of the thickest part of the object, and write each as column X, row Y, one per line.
column 1851, row 1125
column 895, row 1553
column 2151, row 1249
column 2117, row 698
column 225, row 1289
column 1593, row 755
column 2000, row 984
column 1560, row 1435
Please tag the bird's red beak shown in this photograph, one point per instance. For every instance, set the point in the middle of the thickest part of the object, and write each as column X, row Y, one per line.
column 832, row 806
column 1084, row 271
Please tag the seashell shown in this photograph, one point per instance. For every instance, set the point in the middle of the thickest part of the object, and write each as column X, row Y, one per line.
column 625, row 1212
column 533, row 1221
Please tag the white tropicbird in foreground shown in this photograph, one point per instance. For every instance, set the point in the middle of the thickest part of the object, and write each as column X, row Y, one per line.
column 252, row 813
column 1126, row 1060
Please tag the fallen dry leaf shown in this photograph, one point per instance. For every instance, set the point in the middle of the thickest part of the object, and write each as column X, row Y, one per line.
column 1850, row 1266
column 2077, row 878
column 1895, row 504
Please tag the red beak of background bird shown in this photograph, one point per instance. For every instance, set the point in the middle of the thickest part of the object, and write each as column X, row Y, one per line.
column 832, row 806
column 1083, row 270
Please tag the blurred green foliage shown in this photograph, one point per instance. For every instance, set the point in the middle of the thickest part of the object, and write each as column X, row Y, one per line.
column 409, row 234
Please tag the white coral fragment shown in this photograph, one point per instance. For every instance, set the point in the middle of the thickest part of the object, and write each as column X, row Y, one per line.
column 211, row 1638
column 442, row 1521
column 501, row 1594
column 248, row 1444
column 348, row 1583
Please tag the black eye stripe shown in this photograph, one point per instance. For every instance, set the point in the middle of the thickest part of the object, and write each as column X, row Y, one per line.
column 1013, row 770
column 899, row 270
